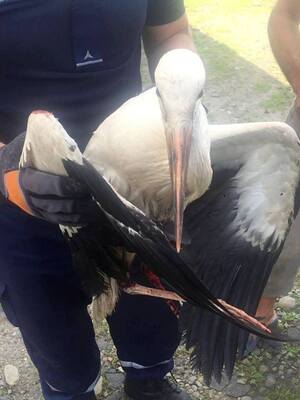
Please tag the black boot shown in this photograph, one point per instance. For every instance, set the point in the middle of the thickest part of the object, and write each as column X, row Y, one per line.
column 153, row 389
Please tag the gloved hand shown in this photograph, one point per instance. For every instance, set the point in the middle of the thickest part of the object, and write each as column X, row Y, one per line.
column 57, row 199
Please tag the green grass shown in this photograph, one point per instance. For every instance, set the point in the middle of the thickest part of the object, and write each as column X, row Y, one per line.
column 262, row 87
column 239, row 24
column 284, row 393
column 231, row 36
column 287, row 317
column 250, row 370
column 278, row 99
column 292, row 351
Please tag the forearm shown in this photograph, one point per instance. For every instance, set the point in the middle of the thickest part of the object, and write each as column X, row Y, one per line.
column 157, row 45
column 181, row 40
column 285, row 42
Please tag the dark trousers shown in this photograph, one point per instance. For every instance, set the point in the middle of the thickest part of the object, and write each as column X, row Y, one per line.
column 41, row 294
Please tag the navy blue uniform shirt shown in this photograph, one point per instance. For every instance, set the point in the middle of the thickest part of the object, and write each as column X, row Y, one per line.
column 79, row 59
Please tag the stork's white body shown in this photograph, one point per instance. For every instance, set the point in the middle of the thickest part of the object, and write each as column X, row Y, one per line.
column 129, row 148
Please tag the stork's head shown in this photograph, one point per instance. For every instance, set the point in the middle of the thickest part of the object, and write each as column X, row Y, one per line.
column 179, row 78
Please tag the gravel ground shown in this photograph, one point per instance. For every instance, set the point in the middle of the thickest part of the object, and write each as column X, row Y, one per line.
column 269, row 374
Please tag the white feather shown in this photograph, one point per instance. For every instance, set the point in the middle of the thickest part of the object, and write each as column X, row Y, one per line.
column 47, row 144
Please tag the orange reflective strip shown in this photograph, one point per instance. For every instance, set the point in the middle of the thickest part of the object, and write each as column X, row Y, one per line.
column 14, row 192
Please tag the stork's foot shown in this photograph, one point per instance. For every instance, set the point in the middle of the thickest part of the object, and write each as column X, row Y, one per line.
column 255, row 342
column 153, row 389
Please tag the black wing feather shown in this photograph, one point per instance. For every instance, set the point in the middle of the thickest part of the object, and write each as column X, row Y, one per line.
column 150, row 243
column 232, row 269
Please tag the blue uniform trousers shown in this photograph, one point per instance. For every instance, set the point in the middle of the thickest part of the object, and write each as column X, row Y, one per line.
column 41, row 294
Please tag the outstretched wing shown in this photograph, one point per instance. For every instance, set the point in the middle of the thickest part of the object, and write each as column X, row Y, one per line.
column 146, row 239
column 237, row 230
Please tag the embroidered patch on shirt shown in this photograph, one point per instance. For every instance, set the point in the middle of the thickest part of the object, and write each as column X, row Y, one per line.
column 86, row 32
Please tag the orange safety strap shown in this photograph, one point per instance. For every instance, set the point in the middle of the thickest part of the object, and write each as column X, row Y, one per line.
column 14, row 192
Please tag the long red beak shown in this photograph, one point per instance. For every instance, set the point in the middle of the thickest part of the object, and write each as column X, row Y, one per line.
column 179, row 145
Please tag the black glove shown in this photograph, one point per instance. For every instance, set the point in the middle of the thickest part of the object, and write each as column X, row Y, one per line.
column 57, row 199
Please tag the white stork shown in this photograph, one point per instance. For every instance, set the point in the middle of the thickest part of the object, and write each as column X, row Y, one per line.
column 156, row 151
column 237, row 229
column 157, row 135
